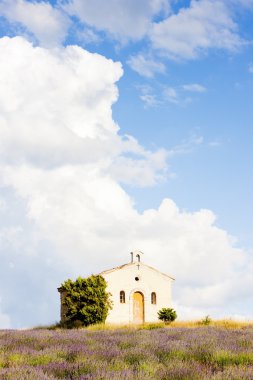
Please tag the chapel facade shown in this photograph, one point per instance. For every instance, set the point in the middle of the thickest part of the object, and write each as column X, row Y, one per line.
column 138, row 291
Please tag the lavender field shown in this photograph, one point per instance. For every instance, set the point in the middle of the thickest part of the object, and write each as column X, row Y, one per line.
column 164, row 353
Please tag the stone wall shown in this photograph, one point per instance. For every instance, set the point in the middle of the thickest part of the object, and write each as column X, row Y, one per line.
column 63, row 307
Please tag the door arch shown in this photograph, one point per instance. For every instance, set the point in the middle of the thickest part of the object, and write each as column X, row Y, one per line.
column 138, row 307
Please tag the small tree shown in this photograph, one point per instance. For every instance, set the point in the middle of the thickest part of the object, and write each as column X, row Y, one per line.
column 167, row 315
column 86, row 301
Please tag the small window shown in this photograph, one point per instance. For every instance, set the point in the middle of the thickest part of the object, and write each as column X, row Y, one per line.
column 122, row 296
column 153, row 298
column 137, row 278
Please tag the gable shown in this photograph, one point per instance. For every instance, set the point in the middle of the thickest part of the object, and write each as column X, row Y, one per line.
column 133, row 267
column 137, row 277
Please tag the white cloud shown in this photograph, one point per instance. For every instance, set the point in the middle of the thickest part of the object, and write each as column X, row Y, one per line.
column 67, row 214
column 148, row 96
column 162, row 95
column 87, row 36
column 48, row 24
column 149, row 100
column 75, row 124
column 128, row 170
column 82, row 103
column 192, row 31
column 144, row 66
column 187, row 146
column 194, row 87
column 122, row 19
column 171, row 95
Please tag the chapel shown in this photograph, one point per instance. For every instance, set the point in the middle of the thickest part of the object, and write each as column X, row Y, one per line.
column 137, row 290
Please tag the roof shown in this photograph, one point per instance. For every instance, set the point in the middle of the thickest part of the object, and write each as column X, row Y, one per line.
column 133, row 264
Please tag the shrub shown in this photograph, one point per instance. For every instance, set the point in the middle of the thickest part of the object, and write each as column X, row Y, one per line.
column 167, row 315
column 205, row 321
column 86, row 301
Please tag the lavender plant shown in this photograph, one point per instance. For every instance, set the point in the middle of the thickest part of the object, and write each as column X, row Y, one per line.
column 165, row 353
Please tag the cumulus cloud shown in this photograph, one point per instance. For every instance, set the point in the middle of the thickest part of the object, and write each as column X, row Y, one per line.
column 187, row 34
column 205, row 24
column 48, row 24
column 140, row 172
column 70, row 121
column 123, row 20
column 81, row 103
column 64, row 212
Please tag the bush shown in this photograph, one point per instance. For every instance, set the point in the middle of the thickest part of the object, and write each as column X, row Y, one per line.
column 86, row 301
column 167, row 315
column 206, row 321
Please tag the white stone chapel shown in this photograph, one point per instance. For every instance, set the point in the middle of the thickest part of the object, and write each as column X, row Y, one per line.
column 138, row 291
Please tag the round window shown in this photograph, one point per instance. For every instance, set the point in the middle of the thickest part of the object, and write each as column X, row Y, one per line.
column 137, row 278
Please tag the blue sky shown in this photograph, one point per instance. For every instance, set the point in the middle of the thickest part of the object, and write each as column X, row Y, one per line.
column 139, row 137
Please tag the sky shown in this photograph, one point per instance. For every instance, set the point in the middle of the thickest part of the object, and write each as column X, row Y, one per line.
column 124, row 125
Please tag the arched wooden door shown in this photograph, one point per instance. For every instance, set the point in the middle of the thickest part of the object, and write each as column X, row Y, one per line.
column 138, row 307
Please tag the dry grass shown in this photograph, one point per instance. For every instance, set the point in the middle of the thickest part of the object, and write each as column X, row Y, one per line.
column 127, row 326
column 223, row 323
